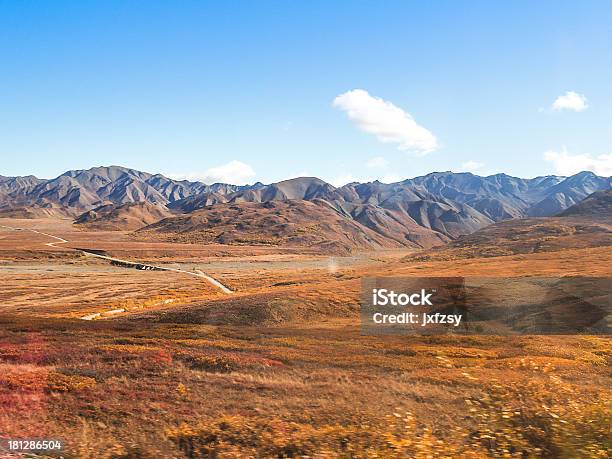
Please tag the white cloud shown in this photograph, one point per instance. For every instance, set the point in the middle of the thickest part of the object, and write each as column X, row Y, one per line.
column 570, row 101
column 390, row 124
column 471, row 166
column 565, row 163
column 234, row 172
column 378, row 162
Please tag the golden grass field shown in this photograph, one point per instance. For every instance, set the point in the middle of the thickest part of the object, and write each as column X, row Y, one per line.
column 279, row 368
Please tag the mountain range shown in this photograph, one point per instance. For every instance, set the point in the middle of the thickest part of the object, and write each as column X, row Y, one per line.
column 587, row 224
column 421, row 212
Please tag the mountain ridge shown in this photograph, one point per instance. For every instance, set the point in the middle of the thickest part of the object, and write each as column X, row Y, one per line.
column 424, row 210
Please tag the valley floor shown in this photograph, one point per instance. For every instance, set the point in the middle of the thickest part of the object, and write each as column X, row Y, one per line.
column 278, row 368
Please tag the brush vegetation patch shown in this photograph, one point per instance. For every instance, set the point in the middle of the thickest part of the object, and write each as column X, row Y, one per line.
column 280, row 368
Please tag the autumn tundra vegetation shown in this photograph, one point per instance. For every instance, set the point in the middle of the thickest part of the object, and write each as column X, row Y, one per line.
column 168, row 365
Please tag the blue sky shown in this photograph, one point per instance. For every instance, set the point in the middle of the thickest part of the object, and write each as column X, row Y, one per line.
column 245, row 91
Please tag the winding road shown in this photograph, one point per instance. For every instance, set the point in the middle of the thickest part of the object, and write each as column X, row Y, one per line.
column 146, row 266
column 138, row 265
column 50, row 244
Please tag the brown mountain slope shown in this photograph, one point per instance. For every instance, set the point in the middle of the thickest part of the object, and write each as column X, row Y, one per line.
column 306, row 188
column 394, row 211
column 34, row 211
column 597, row 205
column 313, row 224
column 444, row 205
column 130, row 216
column 82, row 190
column 524, row 236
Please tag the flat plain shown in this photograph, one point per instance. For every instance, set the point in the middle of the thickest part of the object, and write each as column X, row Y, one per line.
column 174, row 367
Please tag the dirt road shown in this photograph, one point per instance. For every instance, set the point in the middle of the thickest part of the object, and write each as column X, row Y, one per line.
column 137, row 265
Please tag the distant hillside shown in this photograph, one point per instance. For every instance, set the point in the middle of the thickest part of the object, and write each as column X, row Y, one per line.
column 86, row 189
column 598, row 205
column 422, row 211
column 501, row 196
column 497, row 197
column 569, row 192
column 583, row 225
column 449, row 204
column 16, row 188
column 30, row 212
column 130, row 216
column 284, row 223
column 522, row 236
